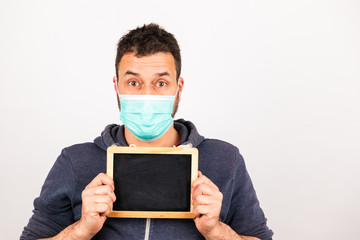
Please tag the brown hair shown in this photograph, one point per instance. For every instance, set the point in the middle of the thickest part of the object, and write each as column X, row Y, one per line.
column 146, row 40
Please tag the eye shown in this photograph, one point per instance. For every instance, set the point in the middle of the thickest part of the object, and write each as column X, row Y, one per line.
column 133, row 83
column 161, row 84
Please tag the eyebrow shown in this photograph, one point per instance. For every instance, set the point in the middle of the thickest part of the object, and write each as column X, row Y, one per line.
column 136, row 74
column 131, row 73
column 163, row 74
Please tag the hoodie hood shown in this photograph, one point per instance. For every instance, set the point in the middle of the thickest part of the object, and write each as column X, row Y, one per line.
column 113, row 134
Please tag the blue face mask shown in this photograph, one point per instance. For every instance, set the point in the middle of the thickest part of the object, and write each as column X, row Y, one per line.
column 148, row 117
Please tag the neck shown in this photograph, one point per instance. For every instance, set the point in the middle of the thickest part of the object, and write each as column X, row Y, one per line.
column 169, row 139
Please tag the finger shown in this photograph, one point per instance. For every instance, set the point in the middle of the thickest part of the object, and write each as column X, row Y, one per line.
column 91, row 201
column 103, row 199
column 203, row 200
column 100, row 190
column 203, row 180
column 195, row 211
column 91, row 204
column 113, row 196
column 196, row 194
column 102, row 209
column 203, row 189
column 105, row 190
column 101, row 179
column 200, row 199
column 201, row 210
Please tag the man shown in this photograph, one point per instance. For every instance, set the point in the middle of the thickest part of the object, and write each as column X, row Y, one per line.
column 77, row 196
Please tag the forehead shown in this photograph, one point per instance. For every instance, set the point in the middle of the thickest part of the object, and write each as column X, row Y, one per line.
column 156, row 62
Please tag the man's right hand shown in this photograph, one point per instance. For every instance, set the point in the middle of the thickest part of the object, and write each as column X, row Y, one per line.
column 97, row 202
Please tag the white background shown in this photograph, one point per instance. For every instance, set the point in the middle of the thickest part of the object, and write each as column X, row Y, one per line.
column 279, row 79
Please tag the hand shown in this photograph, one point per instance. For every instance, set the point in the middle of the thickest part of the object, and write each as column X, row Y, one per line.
column 207, row 201
column 97, row 202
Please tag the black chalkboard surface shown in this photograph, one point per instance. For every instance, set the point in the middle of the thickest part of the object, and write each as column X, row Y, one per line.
column 152, row 182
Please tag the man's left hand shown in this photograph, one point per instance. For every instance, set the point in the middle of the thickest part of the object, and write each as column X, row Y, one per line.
column 207, row 201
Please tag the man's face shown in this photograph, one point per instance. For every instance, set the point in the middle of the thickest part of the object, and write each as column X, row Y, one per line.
column 153, row 75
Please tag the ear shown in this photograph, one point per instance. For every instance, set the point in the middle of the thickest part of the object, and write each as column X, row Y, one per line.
column 116, row 92
column 181, row 85
column 115, row 83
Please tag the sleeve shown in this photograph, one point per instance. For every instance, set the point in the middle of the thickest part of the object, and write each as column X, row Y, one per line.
column 245, row 215
column 53, row 209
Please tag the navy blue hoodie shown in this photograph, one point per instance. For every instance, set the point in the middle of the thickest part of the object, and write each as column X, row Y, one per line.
column 59, row 203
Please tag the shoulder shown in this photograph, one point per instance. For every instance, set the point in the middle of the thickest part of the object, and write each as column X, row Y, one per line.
column 87, row 148
column 216, row 147
column 217, row 143
column 85, row 161
column 85, row 156
column 215, row 154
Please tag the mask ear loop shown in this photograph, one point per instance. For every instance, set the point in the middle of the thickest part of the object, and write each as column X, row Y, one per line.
column 177, row 89
column 116, row 86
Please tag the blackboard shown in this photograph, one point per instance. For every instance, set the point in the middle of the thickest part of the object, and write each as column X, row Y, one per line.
column 152, row 182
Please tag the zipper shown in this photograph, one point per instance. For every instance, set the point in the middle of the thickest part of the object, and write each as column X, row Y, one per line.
column 147, row 229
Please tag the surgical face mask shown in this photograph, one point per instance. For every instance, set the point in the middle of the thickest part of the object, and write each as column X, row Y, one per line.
column 148, row 117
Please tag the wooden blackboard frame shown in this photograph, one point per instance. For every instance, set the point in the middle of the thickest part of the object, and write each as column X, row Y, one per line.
column 111, row 151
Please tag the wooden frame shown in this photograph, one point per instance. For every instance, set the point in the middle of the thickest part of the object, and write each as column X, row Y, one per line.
column 111, row 151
